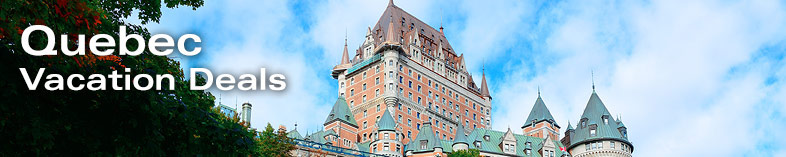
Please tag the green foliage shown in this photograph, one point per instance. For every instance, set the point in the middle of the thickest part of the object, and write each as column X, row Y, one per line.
column 465, row 153
column 176, row 122
column 275, row 143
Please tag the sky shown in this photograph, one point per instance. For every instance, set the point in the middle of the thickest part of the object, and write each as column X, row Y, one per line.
column 688, row 78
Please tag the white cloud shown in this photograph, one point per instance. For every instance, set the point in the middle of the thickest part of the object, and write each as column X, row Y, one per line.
column 688, row 78
column 243, row 36
column 682, row 74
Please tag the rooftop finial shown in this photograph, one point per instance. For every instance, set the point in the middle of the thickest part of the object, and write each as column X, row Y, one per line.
column 538, row 91
column 295, row 125
column 593, row 80
column 440, row 20
column 390, row 3
column 345, row 36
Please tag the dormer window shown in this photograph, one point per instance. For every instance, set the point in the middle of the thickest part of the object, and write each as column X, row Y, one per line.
column 592, row 130
column 423, row 144
column 527, row 151
column 486, row 137
column 477, row 144
column 605, row 119
column 533, row 123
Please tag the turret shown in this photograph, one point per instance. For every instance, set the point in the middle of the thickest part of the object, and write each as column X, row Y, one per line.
column 460, row 143
column 540, row 123
column 484, row 88
column 247, row 113
column 387, row 139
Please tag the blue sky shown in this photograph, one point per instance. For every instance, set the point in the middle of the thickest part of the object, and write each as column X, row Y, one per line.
column 688, row 78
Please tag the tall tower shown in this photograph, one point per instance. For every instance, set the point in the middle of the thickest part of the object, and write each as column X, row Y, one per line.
column 247, row 113
column 540, row 123
column 409, row 69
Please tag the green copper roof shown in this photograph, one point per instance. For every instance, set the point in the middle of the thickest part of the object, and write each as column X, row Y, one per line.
column 460, row 136
column 425, row 134
column 364, row 146
column 539, row 113
column 447, row 146
column 341, row 112
column 319, row 136
column 386, row 122
column 570, row 127
column 620, row 124
column 294, row 134
column 593, row 114
column 492, row 145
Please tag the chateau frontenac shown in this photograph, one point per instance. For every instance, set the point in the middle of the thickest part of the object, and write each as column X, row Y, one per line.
column 406, row 92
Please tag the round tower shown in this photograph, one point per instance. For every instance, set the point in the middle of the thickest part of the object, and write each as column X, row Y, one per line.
column 387, row 140
column 246, row 113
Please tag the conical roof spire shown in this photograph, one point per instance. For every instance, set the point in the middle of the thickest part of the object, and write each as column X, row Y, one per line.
column 386, row 122
column 345, row 55
column 426, row 133
column 391, row 37
column 483, row 86
column 460, row 136
column 595, row 113
column 341, row 112
column 539, row 113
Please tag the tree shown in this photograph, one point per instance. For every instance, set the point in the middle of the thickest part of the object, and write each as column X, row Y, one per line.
column 465, row 153
column 275, row 143
column 38, row 122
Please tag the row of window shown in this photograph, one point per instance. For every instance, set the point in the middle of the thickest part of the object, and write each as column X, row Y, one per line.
column 599, row 145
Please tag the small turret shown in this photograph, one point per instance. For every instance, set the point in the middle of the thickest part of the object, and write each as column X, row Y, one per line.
column 461, row 142
column 247, row 113
column 484, row 89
